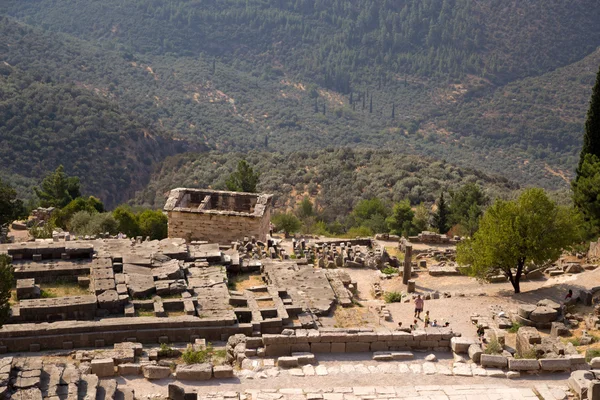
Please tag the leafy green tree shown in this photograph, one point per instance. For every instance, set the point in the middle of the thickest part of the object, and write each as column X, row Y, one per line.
column 401, row 220
column 591, row 136
column 513, row 233
column 441, row 215
column 92, row 205
column 244, row 179
column 11, row 207
column 466, row 207
column 153, row 223
column 6, row 283
column 421, row 218
column 58, row 189
column 305, row 209
column 127, row 221
column 286, row 222
column 586, row 193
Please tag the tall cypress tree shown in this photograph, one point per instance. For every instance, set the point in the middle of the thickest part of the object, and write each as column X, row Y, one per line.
column 591, row 137
column 440, row 218
column 371, row 105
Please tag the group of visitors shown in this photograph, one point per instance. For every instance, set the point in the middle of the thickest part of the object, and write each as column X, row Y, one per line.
column 427, row 322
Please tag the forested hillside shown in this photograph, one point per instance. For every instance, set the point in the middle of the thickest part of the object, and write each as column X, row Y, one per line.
column 334, row 179
column 45, row 124
column 501, row 86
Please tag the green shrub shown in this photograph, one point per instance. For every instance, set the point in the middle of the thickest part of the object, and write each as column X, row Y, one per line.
column 514, row 328
column 191, row 356
column 591, row 353
column 393, row 297
column 493, row 347
column 529, row 354
column 389, row 270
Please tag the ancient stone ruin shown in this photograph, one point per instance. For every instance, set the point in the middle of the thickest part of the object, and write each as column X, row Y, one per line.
column 217, row 216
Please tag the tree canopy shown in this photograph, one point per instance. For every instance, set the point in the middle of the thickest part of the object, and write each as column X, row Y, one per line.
column 6, row 282
column 532, row 229
column 441, row 215
column 244, row 179
column 591, row 136
column 11, row 207
column 57, row 189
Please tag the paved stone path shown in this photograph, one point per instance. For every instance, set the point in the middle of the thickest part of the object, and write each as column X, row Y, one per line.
column 263, row 369
column 454, row 392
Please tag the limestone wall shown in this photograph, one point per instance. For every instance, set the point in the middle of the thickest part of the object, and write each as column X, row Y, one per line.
column 349, row 341
column 217, row 228
column 68, row 335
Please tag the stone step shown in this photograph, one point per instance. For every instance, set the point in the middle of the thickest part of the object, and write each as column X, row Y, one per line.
column 88, row 387
column 106, row 389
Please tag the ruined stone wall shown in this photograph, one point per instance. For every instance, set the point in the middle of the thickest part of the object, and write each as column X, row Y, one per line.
column 67, row 335
column 345, row 341
column 217, row 228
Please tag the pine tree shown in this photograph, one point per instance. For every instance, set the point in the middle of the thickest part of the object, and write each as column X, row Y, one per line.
column 351, row 98
column 393, row 110
column 440, row 218
column 371, row 105
column 591, row 137
column 323, row 108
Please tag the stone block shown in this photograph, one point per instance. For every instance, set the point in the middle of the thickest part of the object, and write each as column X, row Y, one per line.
column 176, row 392
column 223, row 371
column 35, row 347
column 276, row 350
column 254, row 342
column 523, row 364
column 543, row 314
column 379, row 346
column 103, row 367
column 83, row 281
column 67, row 345
column 99, row 343
column 579, row 383
column 163, row 339
column 461, row 345
column 152, row 372
column 300, row 347
column 382, row 356
column 475, row 352
column 287, row 362
column 194, row 372
column 320, row 347
column 305, row 358
column 338, row 347
column 402, row 355
column 555, row 364
column 129, row 369
column 136, row 347
column 558, row 329
column 595, row 363
column 358, row 347
column 367, row 337
column 493, row 361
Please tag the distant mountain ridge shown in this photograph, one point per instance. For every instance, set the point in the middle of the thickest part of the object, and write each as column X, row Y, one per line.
column 495, row 85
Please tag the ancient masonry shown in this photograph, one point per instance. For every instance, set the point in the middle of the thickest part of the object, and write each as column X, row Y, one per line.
column 217, row 216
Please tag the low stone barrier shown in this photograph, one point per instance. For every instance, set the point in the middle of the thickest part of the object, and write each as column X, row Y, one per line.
column 78, row 334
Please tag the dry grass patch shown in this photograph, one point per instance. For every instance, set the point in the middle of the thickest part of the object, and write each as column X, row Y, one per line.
column 60, row 288
column 242, row 282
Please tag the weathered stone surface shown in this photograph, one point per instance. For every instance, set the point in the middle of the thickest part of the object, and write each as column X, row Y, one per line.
column 475, row 352
column 579, row 382
column 494, row 361
column 558, row 329
column 523, row 364
column 155, row 372
column 223, row 371
column 555, row 364
column 129, row 369
column 176, row 392
column 287, row 362
column 525, row 310
column 543, row 314
column 194, row 372
column 103, row 367
column 549, row 303
column 140, row 286
column 136, row 347
column 461, row 345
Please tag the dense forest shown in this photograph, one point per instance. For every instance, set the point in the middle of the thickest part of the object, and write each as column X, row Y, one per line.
column 334, row 179
column 494, row 85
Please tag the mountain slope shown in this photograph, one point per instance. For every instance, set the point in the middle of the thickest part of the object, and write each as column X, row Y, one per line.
column 300, row 75
column 43, row 125
column 336, row 179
